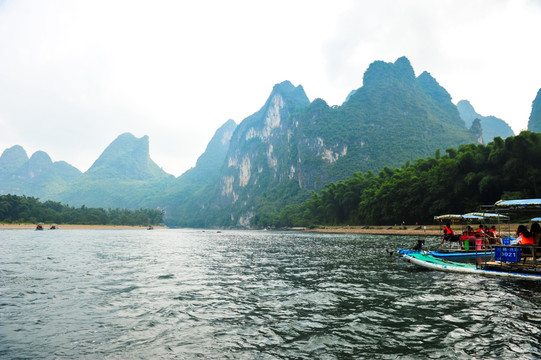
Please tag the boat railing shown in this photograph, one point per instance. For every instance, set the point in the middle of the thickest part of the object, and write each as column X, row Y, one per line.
column 518, row 257
column 467, row 243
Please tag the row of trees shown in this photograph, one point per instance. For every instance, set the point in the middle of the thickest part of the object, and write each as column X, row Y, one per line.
column 459, row 181
column 23, row 209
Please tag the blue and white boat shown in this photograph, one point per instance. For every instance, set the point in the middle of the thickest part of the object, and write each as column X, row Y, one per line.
column 461, row 246
column 431, row 262
column 506, row 260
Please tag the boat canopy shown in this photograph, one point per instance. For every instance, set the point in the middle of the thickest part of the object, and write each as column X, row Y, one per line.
column 472, row 216
column 536, row 219
column 453, row 217
column 459, row 217
column 519, row 204
column 484, row 215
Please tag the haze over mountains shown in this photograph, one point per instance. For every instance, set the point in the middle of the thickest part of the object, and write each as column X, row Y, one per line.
column 491, row 125
column 274, row 157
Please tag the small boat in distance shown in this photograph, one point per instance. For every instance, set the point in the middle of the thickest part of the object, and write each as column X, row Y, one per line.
column 53, row 227
column 39, row 226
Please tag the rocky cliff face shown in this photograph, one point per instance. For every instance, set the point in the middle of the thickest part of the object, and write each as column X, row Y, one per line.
column 185, row 198
column 259, row 142
column 534, row 123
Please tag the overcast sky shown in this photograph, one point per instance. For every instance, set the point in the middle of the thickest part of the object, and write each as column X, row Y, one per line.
column 76, row 74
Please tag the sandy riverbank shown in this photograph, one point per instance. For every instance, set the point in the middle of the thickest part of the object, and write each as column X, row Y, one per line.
column 431, row 230
column 80, row 227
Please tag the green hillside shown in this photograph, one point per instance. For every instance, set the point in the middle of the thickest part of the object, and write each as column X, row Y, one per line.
column 291, row 147
column 458, row 182
column 124, row 176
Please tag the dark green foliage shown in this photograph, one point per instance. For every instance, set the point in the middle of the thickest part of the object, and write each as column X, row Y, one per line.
column 23, row 209
column 457, row 182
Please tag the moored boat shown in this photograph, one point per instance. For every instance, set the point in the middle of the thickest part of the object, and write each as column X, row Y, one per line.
column 508, row 259
column 468, row 243
column 428, row 261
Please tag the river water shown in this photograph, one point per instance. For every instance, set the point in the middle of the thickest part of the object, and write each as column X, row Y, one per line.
column 193, row 294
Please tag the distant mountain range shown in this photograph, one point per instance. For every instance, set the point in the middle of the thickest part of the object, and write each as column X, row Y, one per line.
column 534, row 123
column 274, row 157
column 34, row 176
column 491, row 125
column 124, row 176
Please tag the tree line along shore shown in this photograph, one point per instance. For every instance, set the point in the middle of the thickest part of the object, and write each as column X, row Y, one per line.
column 4, row 226
column 16, row 209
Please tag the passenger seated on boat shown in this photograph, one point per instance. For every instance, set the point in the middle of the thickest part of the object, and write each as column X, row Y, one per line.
column 524, row 237
column 535, row 230
column 479, row 233
column 447, row 233
column 468, row 231
column 449, row 236
column 492, row 235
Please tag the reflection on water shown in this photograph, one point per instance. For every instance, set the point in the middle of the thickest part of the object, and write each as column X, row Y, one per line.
column 203, row 294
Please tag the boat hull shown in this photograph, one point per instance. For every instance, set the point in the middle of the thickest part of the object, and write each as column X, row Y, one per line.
column 461, row 254
column 430, row 262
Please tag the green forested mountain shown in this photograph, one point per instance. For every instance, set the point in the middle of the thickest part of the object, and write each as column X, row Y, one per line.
column 34, row 176
column 457, row 182
column 534, row 123
column 291, row 147
column 491, row 125
column 394, row 117
column 253, row 141
column 124, row 176
column 127, row 157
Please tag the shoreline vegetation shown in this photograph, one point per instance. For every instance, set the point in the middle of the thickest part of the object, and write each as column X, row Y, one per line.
column 78, row 227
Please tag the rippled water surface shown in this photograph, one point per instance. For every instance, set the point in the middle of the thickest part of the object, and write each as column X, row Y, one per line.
column 192, row 294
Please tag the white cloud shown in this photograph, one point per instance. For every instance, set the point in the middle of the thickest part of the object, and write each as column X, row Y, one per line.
column 76, row 74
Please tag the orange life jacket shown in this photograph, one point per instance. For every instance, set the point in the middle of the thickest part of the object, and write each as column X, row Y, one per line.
column 523, row 240
column 447, row 231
